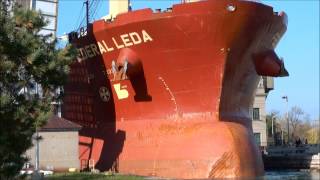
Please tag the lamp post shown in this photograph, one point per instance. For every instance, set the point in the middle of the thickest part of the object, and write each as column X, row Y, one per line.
column 281, row 136
column 36, row 175
column 286, row 100
column 37, row 150
column 272, row 131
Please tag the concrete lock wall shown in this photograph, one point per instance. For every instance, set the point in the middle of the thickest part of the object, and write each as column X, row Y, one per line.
column 58, row 151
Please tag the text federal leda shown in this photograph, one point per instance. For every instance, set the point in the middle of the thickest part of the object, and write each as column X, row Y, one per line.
column 124, row 40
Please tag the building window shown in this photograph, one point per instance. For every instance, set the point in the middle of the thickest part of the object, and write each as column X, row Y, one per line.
column 257, row 138
column 256, row 114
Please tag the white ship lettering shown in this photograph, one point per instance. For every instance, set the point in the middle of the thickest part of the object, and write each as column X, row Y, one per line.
column 114, row 43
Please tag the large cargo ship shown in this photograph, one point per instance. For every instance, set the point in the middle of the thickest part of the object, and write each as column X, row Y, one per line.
column 168, row 93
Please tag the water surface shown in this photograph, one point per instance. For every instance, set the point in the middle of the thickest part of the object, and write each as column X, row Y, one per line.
column 292, row 175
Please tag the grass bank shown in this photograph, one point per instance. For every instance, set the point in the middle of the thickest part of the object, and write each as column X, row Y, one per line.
column 93, row 176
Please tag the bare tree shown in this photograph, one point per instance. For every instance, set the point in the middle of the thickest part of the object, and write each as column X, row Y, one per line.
column 301, row 126
column 313, row 134
column 295, row 119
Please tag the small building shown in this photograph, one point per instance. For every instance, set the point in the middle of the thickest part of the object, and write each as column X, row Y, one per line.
column 58, row 147
column 258, row 112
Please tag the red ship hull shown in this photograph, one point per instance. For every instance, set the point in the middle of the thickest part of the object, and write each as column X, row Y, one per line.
column 182, row 108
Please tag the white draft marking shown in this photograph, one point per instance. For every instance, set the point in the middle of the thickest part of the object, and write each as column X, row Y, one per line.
column 121, row 93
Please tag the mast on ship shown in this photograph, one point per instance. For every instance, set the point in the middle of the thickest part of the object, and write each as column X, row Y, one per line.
column 87, row 13
column 117, row 7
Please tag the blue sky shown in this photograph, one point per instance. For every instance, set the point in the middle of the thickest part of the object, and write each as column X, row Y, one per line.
column 299, row 47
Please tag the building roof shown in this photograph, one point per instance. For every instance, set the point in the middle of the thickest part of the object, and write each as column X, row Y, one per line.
column 56, row 123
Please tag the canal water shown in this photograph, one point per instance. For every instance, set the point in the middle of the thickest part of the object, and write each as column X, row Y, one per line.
column 292, row 175
column 272, row 175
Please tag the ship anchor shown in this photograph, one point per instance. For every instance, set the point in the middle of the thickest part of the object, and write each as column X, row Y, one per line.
column 119, row 71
